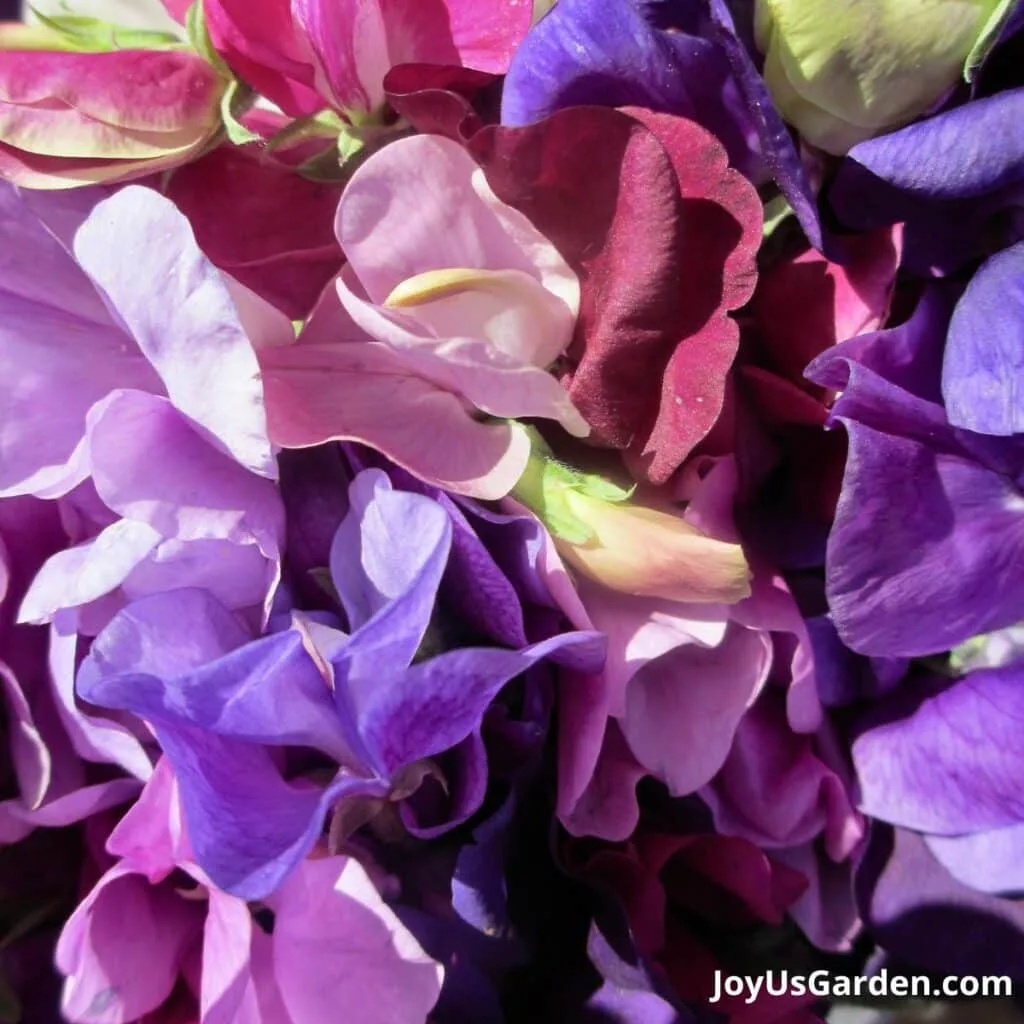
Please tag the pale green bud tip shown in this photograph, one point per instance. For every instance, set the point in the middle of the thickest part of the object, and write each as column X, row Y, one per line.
column 844, row 71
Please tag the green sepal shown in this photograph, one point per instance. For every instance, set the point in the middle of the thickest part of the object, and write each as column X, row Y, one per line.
column 776, row 210
column 543, row 487
column 199, row 39
column 324, row 125
column 988, row 38
column 237, row 99
column 78, row 34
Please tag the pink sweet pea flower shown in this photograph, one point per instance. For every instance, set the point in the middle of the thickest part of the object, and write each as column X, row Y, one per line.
column 72, row 119
column 443, row 326
column 155, row 936
column 306, row 55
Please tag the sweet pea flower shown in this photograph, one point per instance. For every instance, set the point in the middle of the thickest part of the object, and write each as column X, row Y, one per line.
column 675, row 889
column 45, row 777
column 307, row 55
column 94, row 304
column 950, row 495
column 847, row 72
column 226, row 704
column 678, row 680
column 69, row 119
column 160, row 411
column 451, row 306
column 155, row 934
column 626, row 546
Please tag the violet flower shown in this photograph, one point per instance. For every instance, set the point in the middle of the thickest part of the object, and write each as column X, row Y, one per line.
column 225, row 701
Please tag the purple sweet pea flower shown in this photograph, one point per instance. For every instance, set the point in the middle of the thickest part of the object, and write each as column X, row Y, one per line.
column 221, row 703
column 956, row 180
column 683, row 57
column 918, row 911
column 929, row 530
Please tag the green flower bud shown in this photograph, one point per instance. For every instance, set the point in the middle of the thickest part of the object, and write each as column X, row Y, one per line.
column 842, row 71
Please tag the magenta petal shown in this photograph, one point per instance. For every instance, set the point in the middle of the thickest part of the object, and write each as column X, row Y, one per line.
column 481, row 34
column 122, row 948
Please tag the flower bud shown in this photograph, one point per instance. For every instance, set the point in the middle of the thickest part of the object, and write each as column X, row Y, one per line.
column 71, row 118
column 627, row 547
column 844, row 71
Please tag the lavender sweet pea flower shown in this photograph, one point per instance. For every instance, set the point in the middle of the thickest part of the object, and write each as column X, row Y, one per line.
column 929, row 530
column 110, row 295
column 221, row 702
column 164, row 509
column 917, row 911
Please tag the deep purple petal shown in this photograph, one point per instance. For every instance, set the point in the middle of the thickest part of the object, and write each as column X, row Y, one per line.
column 437, row 703
column 612, row 53
column 926, row 548
column 777, row 147
column 967, row 151
column 266, row 691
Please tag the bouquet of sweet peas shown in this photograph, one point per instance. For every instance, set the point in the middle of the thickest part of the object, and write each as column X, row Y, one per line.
column 510, row 513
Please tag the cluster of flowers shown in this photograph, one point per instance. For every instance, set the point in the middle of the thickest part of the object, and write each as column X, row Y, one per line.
column 507, row 512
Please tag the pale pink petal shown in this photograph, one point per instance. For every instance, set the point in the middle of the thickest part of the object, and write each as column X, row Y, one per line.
column 487, row 377
column 422, row 204
column 362, row 392
column 150, row 837
column 683, row 709
column 228, row 994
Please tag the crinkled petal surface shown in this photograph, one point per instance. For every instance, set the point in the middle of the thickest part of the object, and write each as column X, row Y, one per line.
column 647, row 181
